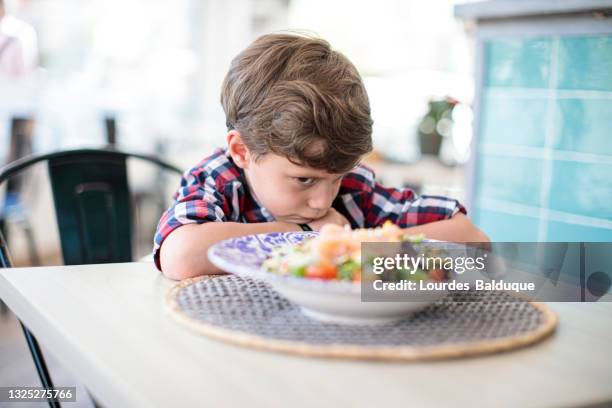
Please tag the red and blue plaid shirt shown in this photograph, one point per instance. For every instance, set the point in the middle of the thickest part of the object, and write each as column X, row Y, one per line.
column 216, row 190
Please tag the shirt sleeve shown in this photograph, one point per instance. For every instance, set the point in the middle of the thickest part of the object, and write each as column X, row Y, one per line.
column 196, row 201
column 405, row 208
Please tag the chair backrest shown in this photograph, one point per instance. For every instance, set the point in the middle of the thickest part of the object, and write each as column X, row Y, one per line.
column 92, row 202
column 92, row 206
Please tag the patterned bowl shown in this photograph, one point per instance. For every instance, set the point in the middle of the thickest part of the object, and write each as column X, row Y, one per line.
column 327, row 300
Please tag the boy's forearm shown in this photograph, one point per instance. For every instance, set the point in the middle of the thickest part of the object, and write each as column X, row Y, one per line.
column 183, row 253
column 456, row 229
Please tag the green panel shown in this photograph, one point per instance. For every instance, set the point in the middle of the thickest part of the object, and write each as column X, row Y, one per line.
column 585, row 63
column 502, row 227
column 521, row 63
column 566, row 232
column 513, row 179
column 90, row 194
column 584, row 125
column 582, row 188
column 515, row 121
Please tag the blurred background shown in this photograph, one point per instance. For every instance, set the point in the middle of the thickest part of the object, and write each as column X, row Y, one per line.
column 504, row 105
column 146, row 77
column 499, row 104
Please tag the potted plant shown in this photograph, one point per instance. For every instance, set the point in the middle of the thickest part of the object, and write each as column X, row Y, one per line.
column 436, row 124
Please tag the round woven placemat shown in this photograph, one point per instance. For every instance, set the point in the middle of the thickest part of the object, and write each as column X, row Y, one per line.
column 250, row 313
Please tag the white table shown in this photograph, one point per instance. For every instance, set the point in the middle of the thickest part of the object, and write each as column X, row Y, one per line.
column 108, row 325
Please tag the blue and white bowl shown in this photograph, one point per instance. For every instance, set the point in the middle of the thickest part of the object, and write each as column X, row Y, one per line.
column 328, row 300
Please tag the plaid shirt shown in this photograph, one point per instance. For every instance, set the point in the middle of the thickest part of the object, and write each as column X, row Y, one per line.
column 215, row 190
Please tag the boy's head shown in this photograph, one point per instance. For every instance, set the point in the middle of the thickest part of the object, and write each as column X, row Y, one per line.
column 293, row 105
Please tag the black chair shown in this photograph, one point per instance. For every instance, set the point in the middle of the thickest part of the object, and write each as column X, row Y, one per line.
column 93, row 211
column 39, row 361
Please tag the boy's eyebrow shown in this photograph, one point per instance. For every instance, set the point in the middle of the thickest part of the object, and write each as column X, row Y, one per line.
column 307, row 174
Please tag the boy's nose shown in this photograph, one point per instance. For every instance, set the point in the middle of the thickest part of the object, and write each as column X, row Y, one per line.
column 321, row 198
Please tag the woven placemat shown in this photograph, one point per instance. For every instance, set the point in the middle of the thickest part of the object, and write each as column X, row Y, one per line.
column 250, row 313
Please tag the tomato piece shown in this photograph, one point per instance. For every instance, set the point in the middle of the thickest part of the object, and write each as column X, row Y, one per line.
column 321, row 271
column 437, row 275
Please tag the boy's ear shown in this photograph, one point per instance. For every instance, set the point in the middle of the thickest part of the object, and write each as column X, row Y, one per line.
column 237, row 149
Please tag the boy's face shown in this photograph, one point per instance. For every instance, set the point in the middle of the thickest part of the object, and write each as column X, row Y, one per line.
column 290, row 192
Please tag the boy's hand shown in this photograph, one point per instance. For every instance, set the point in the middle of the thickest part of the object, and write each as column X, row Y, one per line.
column 332, row 217
column 456, row 229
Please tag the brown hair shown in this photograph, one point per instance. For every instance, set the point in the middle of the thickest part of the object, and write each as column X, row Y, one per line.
column 294, row 96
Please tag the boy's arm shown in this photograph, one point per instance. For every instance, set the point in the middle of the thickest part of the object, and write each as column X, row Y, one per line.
column 458, row 228
column 436, row 217
column 184, row 252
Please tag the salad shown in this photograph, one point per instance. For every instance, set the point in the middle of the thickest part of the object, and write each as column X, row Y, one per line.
column 336, row 254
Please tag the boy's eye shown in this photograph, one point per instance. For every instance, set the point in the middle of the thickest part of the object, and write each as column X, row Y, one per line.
column 306, row 181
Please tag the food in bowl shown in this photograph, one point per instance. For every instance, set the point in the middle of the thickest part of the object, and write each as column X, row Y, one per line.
column 335, row 254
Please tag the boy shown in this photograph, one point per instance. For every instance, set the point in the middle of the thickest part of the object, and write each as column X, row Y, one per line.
column 298, row 121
